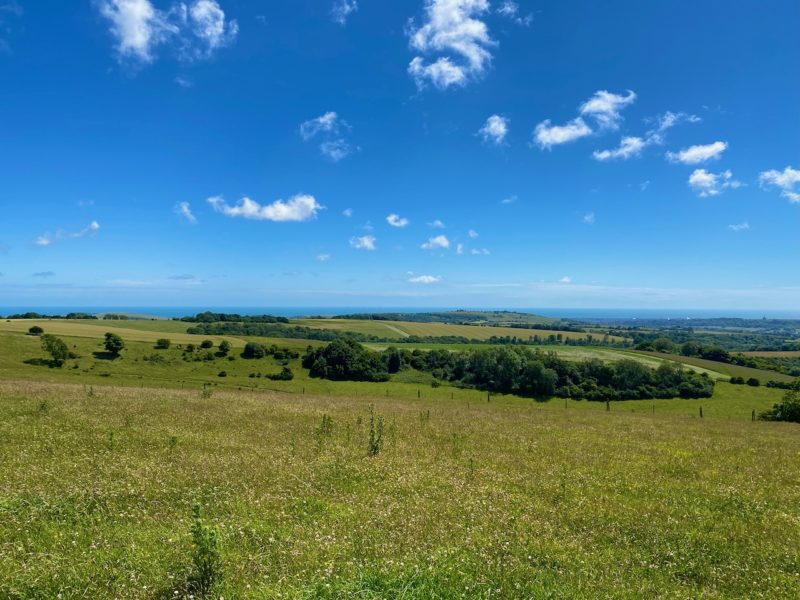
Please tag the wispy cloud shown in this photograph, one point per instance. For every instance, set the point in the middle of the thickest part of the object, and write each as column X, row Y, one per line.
column 364, row 242
column 495, row 130
column 565, row 279
column 298, row 208
column 472, row 233
column 698, row 154
column 424, row 279
column 437, row 224
column 604, row 108
column 396, row 220
column 184, row 211
column 347, row 212
column 629, row 147
column 707, row 184
column 785, row 180
column 589, row 218
column 439, row 242
column 324, row 257
column 451, row 26
column 330, row 129
column 509, row 199
column 44, row 274
column 510, row 10
column 47, row 239
column 737, row 227
column 194, row 30
column 342, row 9
column 480, row 252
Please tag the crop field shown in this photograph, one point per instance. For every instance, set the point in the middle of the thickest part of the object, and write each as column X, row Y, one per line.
column 505, row 499
column 400, row 329
column 775, row 354
column 724, row 368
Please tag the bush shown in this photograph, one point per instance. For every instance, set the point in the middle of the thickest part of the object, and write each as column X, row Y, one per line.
column 224, row 347
column 285, row 375
column 206, row 344
column 114, row 344
column 788, row 409
column 253, row 350
column 57, row 349
column 753, row 382
column 35, row 330
column 163, row 344
column 222, row 374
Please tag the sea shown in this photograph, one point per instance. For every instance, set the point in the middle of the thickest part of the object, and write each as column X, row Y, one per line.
column 169, row 312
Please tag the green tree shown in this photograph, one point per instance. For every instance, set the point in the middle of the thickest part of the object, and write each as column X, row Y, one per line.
column 35, row 330
column 162, row 344
column 207, row 344
column 114, row 344
column 788, row 409
column 253, row 350
column 664, row 345
column 56, row 347
column 224, row 347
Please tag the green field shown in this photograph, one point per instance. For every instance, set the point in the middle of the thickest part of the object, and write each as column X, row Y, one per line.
column 724, row 368
column 401, row 329
column 506, row 499
column 471, row 495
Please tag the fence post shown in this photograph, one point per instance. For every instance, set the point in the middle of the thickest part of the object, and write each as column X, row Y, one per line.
column 701, row 412
column 608, row 406
column 417, row 393
column 753, row 416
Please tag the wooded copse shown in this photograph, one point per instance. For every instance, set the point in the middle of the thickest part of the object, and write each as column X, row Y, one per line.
column 513, row 370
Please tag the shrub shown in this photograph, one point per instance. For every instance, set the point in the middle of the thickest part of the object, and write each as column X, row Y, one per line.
column 222, row 374
column 206, row 344
column 224, row 347
column 163, row 344
column 57, row 349
column 253, row 350
column 35, row 330
column 285, row 375
column 788, row 409
column 753, row 382
column 114, row 344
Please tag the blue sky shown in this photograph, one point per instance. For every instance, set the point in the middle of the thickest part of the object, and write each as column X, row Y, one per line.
column 428, row 153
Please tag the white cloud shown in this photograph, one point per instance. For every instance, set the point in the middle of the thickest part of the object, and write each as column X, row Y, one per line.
column 328, row 127
column 437, row 224
column 785, row 180
column 47, row 239
column 698, row 154
column 439, row 242
column 459, row 248
column 565, row 279
column 509, row 199
column 472, row 233
column 396, row 220
column 426, row 279
column 364, row 242
column 347, row 212
column 184, row 210
column 323, row 257
column 510, row 10
column 707, row 184
column 480, row 252
column 451, row 26
column 196, row 30
column 667, row 121
column 336, row 150
column 605, row 107
column 589, row 218
column 494, row 131
column 327, row 123
column 298, row 208
column 739, row 227
column 629, row 147
column 547, row 135
column 342, row 9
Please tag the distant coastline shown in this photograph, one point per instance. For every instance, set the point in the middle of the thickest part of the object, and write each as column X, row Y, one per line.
column 169, row 312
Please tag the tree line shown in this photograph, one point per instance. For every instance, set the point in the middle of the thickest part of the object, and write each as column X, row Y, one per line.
column 513, row 370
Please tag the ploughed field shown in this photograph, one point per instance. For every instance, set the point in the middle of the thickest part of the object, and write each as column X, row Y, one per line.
column 465, row 498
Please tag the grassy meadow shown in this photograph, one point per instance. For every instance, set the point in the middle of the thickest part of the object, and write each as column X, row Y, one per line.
column 469, row 496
